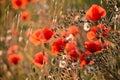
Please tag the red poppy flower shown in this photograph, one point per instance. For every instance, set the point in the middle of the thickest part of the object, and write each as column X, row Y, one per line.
column 91, row 35
column 35, row 38
column 14, row 58
column 70, row 46
column 105, row 30
column 95, row 12
column 25, row 16
column 13, row 49
column 73, row 53
column 93, row 46
column 40, row 59
column 64, row 33
column 84, row 61
column 58, row 46
column 47, row 34
column 93, row 32
column 39, row 36
column 19, row 4
column 73, row 30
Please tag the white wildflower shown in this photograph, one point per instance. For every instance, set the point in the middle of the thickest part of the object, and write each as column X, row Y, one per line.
column 62, row 64
column 86, row 26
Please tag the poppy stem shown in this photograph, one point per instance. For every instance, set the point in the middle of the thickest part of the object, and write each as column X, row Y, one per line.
column 115, row 22
column 115, row 26
column 18, row 21
column 101, row 2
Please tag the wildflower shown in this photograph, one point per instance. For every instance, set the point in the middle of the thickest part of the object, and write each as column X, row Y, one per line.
column 83, row 59
column 91, row 35
column 95, row 13
column 94, row 46
column 47, row 34
column 71, row 46
column 19, row 4
column 35, row 38
column 41, row 36
column 86, row 26
column 98, row 29
column 64, row 33
column 14, row 58
column 72, row 51
column 58, row 46
column 40, row 59
column 13, row 49
column 73, row 30
column 25, row 16
column 74, row 54
column 62, row 64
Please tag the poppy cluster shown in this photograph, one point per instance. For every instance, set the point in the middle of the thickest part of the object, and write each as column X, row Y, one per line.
column 66, row 42
column 72, row 51
column 60, row 44
column 13, row 56
column 39, row 36
column 94, row 13
column 94, row 46
column 21, row 3
column 84, row 59
column 98, row 31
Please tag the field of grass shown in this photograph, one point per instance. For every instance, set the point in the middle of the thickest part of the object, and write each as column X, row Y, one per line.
column 59, row 39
